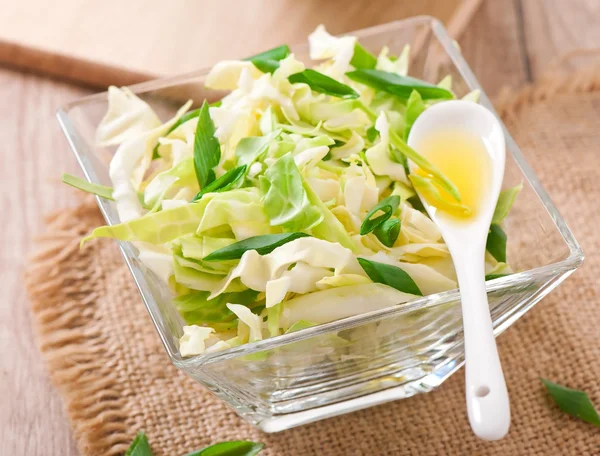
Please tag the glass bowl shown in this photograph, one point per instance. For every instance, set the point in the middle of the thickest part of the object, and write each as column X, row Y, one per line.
column 368, row 359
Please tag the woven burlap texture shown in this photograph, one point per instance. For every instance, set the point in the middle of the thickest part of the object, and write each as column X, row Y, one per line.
column 106, row 360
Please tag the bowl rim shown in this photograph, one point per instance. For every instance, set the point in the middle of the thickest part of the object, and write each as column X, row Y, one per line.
column 570, row 263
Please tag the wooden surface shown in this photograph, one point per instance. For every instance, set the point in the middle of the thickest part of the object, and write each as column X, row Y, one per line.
column 508, row 41
column 32, row 420
column 94, row 42
column 558, row 26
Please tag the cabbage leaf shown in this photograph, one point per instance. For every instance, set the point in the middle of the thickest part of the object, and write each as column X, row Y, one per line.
column 285, row 200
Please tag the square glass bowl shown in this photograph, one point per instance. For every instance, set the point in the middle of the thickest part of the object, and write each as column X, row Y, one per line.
column 368, row 359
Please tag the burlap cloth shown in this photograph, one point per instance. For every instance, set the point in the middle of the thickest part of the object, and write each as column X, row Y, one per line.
column 106, row 360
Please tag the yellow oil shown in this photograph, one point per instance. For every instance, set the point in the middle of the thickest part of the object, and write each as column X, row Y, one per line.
column 463, row 159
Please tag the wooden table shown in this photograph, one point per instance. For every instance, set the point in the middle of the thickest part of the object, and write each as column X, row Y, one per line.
column 508, row 42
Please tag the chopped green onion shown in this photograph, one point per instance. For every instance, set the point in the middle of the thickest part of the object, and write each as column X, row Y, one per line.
column 262, row 244
column 236, row 448
column 362, row 59
column 401, row 86
column 207, row 151
column 387, row 205
column 139, row 446
column 227, row 181
column 96, row 189
column 388, row 231
column 389, row 275
column 268, row 61
column 496, row 243
column 320, row 83
column 505, row 202
column 574, row 402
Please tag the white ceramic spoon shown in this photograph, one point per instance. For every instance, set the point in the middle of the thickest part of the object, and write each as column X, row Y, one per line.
column 486, row 394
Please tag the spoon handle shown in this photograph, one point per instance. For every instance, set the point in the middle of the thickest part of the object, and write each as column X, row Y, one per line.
column 486, row 394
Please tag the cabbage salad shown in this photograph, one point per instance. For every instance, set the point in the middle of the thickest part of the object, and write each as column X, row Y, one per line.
column 287, row 203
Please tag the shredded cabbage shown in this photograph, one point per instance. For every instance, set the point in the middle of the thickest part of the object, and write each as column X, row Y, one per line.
column 398, row 66
column 193, row 341
column 341, row 302
column 305, row 162
column 339, row 50
column 378, row 156
column 127, row 117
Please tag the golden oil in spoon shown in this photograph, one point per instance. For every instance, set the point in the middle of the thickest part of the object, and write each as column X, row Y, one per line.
column 463, row 158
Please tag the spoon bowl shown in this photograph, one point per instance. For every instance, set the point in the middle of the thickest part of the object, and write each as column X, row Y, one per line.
column 486, row 394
